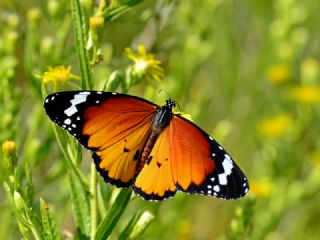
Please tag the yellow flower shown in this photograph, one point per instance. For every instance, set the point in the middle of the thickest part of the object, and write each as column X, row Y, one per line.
column 261, row 188
column 305, row 94
column 279, row 73
column 58, row 75
column 145, row 66
column 275, row 126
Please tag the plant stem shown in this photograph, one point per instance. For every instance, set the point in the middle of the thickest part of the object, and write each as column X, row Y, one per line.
column 93, row 201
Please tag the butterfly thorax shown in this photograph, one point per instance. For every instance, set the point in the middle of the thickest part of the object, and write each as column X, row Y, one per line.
column 160, row 121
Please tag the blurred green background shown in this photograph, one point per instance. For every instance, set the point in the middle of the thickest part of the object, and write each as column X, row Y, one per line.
column 246, row 71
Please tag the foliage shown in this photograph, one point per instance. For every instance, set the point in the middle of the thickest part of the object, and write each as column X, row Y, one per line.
column 246, row 71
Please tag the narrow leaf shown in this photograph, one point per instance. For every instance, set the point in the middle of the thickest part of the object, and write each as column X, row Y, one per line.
column 49, row 228
column 140, row 225
column 111, row 14
column 111, row 219
column 80, row 204
column 128, row 229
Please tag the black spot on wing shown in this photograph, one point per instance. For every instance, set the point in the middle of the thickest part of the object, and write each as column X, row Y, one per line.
column 136, row 155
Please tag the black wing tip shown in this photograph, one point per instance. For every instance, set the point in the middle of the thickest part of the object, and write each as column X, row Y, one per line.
column 152, row 197
column 104, row 174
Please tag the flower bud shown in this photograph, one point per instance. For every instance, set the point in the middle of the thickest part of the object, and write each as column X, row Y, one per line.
column 96, row 26
column 33, row 16
column 10, row 158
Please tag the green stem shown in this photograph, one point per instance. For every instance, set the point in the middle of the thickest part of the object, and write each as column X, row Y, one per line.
column 79, row 24
column 93, row 201
column 80, row 27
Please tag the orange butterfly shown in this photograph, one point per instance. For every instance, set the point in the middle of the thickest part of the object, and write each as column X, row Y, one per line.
column 139, row 144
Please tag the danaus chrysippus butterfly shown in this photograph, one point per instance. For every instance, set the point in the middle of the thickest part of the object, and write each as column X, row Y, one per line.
column 139, row 144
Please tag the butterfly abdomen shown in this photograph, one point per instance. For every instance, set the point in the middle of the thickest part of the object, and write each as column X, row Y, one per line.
column 146, row 158
column 160, row 122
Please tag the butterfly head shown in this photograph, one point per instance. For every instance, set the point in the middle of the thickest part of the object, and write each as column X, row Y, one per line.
column 170, row 103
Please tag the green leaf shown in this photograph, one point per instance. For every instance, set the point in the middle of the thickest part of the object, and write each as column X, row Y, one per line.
column 80, row 204
column 29, row 188
column 111, row 14
column 79, row 25
column 111, row 219
column 128, row 229
column 136, row 225
column 49, row 228
column 20, row 217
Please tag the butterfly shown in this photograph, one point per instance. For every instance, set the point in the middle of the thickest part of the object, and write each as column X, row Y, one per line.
column 137, row 143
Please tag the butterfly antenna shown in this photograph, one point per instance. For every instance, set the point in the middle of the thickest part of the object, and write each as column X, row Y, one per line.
column 178, row 107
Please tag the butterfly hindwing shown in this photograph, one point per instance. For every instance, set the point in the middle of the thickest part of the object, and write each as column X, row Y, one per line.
column 200, row 165
column 114, row 126
column 117, row 163
column 155, row 181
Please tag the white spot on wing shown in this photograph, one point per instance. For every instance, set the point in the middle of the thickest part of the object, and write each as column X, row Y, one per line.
column 222, row 179
column 84, row 93
column 216, row 188
column 77, row 99
column 227, row 164
column 67, row 121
